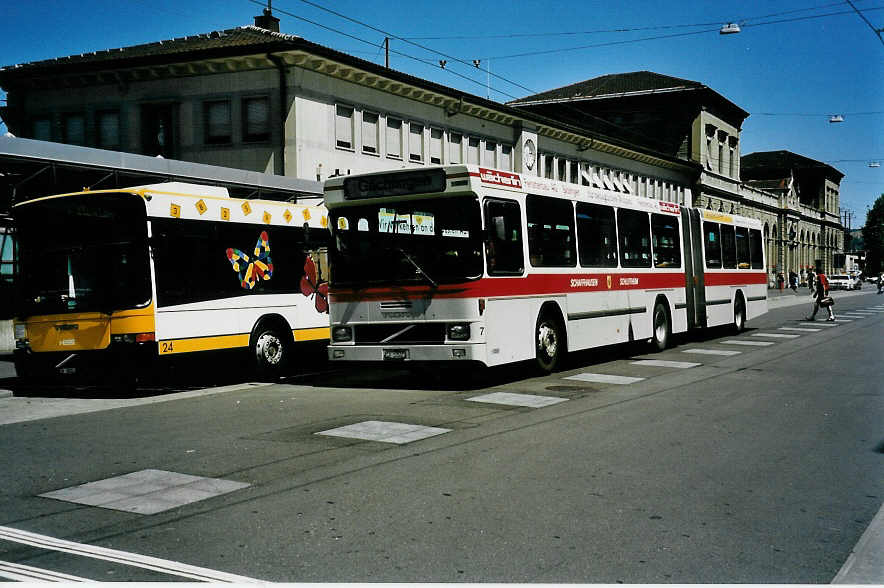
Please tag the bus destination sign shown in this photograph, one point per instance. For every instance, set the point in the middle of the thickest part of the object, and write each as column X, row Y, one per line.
column 395, row 184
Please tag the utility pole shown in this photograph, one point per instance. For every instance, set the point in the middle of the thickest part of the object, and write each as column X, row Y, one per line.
column 387, row 52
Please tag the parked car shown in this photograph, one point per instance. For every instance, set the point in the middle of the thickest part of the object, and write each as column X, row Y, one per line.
column 840, row 282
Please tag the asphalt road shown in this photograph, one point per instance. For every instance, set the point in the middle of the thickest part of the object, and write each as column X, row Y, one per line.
column 765, row 466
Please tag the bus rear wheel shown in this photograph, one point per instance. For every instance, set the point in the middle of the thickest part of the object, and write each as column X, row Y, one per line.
column 549, row 340
column 739, row 315
column 662, row 327
column 271, row 351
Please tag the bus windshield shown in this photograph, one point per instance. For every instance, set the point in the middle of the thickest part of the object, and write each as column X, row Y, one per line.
column 430, row 241
column 87, row 252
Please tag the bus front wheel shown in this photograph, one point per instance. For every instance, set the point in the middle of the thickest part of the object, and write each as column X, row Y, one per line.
column 549, row 341
column 271, row 352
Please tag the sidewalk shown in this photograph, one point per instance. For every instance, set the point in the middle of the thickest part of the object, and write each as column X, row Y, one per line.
column 787, row 297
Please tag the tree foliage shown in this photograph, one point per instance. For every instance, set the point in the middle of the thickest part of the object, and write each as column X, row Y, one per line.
column 873, row 236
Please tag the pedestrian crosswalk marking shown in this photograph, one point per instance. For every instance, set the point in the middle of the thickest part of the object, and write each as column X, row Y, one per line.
column 604, row 378
column 712, row 351
column 511, row 399
column 776, row 335
column 803, row 330
column 752, row 343
column 664, row 363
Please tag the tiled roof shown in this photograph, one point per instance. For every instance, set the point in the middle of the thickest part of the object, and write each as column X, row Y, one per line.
column 783, row 160
column 240, row 37
column 612, row 85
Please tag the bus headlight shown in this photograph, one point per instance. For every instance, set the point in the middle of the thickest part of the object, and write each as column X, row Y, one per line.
column 342, row 334
column 459, row 331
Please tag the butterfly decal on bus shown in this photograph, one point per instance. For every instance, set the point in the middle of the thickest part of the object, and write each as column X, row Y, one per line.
column 313, row 286
column 252, row 269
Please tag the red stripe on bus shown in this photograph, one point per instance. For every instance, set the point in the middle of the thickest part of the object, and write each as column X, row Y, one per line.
column 544, row 285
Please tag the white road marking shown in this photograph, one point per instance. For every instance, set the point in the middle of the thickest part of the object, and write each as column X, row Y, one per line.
column 712, row 351
column 751, row 343
column 664, row 363
column 803, row 330
column 146, row 492
column 511, row 399
column 604, row 378
column 776, row 335
column 23, row 573
column 122, row 557
column 821, row 324
column 385, row 432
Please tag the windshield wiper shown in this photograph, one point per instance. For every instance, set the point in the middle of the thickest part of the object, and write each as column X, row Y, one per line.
column 417, row 267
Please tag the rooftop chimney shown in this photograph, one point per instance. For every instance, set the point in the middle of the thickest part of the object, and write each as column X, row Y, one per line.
column 267, row 20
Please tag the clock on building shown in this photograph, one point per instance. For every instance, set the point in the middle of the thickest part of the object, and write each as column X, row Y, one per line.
column 529, row 154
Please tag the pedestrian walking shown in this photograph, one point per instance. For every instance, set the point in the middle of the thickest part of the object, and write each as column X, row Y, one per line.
column 880, row 282
column 811, row 281
column 822, row 298
column 793, row 280
column 781, row 279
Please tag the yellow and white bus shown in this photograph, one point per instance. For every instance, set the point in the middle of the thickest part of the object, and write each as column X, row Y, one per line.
column 112, row 281
column 464, row 263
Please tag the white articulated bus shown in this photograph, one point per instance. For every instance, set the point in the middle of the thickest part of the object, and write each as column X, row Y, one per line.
column 113, row 281
column 463, row 263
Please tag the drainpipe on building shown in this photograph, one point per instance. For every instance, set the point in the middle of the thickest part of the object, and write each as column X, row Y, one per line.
column 283, row 107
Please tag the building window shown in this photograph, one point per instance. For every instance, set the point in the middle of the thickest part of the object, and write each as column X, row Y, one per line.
column 74, row 129
column 732, row 145
column 394, row 138
column 548, row 166
column 722, row 138
column 473, row 150
column 489, row 157
column 343, row 127
column 436, row 146
column 506, row 157
column 108, row 129
column 416, row 142
column 41, row 129
column 370, row 133
column 455, row 148
column 256, row 119
column 217, row 121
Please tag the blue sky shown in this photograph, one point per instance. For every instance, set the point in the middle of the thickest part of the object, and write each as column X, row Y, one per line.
column 795, row 63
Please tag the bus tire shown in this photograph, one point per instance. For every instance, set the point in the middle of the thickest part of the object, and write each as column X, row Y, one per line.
column 662, row 327
column 739, row 314
column 549, row 342
column 271, row 349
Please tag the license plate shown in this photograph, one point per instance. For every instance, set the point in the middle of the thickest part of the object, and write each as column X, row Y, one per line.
column 396, row 354
column 67, row 371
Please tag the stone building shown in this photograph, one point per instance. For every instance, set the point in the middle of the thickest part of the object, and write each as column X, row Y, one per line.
column 795, row 197
column 257, row 99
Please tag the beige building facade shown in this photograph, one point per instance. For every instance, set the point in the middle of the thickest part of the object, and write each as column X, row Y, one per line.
column 255, row 99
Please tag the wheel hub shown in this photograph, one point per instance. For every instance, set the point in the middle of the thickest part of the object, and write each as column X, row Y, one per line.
column 546, row 340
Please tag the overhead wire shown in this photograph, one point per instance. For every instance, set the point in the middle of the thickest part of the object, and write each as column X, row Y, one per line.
column 618, row 30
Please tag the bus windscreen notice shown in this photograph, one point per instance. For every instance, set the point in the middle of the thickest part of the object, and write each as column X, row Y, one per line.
column 395, row 184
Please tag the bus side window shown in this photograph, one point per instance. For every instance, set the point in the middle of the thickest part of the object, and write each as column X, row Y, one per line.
column 742, row 236
column 596, row 235
column 503, row 244
column 712, row 245
column 728, row 247
column 664, row 229
column 756, row 249
column 550, row 231
column 635, row 238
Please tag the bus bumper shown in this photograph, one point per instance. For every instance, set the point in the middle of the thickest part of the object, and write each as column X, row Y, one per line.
column 472, row 352
column 107, row 365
